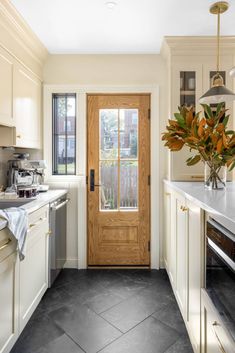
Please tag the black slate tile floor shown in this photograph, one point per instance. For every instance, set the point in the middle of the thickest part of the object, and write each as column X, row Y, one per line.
column 106, row 311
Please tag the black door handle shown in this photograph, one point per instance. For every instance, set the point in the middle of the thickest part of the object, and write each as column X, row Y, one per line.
column 92, row 180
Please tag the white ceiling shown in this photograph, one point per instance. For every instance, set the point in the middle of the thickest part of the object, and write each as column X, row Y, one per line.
column 133, row 26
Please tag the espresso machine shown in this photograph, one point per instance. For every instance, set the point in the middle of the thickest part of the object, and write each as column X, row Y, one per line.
column 25, row 173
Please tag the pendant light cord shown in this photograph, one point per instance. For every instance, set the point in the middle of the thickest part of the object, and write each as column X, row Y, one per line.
column 218, row 40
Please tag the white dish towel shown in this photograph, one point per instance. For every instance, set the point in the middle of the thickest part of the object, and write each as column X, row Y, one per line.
column 17, row 223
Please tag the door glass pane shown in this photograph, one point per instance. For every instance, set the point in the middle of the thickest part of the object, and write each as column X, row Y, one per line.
column 188, row 88
column 128, row 133
column 109, row 185
column 128, row 185
column 108, row 133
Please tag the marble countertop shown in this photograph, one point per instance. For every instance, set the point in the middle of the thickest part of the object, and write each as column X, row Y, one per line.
column 220, row 202
column 41, row 200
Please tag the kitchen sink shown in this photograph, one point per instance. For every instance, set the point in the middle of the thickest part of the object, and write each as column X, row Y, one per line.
column 14, row 203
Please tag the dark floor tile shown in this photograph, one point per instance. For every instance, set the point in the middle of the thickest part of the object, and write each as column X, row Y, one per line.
column 85, row 327
column 62, row 344
column 172, row 317
column 151, row 336
column 125, row 287
column 132, row 311
column 67, row 276
column 103, row 301
column 182, row 345
column 37, row 332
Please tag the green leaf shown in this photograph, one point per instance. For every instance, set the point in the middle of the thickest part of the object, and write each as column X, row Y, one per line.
column 180, row 119
column 219, row 107
column 225, row 121
column 193, row 160
column 232, row 166
column 208, row 110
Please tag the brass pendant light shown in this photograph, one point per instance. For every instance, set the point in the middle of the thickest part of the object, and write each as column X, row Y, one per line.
column 218, row 92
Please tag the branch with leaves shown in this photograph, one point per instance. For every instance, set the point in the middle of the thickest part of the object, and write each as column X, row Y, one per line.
column 206, row 135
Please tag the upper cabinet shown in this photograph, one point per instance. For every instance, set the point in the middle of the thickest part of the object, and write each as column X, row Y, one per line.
column 191, row 65
column 27, row 108
column 6, row 89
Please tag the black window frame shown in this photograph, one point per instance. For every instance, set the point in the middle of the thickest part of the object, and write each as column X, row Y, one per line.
column 55, row 134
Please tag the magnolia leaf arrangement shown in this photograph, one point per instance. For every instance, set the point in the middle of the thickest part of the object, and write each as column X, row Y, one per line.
column 206, row 135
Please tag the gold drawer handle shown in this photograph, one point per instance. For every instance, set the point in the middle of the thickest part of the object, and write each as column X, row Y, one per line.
column 215, row 323
column 18, row 136
column 41, row 219
column 5, row 245
column 183, row 208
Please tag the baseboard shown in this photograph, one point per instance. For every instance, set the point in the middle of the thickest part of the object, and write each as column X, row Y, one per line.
column 71, row 263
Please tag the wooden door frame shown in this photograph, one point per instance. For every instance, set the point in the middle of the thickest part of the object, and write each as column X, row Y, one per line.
column 153, row 91
column 80, row 178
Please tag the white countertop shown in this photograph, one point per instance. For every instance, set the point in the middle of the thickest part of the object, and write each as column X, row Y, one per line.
column 221, row 202
column 41, row 200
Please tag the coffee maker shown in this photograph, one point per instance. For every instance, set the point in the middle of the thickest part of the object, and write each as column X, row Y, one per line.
column 25, row 173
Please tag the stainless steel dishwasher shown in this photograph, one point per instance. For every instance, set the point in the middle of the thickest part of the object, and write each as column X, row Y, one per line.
column 57, row 240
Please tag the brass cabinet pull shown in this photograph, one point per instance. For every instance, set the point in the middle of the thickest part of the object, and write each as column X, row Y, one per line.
column 18, row 136
column 41, row 219
column 215, row 323
column 183, row 208
column 49, row 232
column 5, row 245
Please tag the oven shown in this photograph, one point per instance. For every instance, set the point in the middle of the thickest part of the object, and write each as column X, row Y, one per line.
column 220, row 270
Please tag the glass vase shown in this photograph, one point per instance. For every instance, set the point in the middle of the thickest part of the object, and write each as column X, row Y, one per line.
column 215, row 176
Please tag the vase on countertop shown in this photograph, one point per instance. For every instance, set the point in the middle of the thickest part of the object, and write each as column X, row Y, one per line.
column 215, row 176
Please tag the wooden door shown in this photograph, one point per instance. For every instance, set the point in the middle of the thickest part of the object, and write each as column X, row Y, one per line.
column 118, row 180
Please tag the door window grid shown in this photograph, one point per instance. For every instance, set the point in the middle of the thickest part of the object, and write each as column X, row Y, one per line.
column 118, row 149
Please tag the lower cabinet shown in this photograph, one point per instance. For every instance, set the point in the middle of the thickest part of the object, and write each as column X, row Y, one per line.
column 215, row 338
column 183, row 254
column 8, row 303
column 34, row 268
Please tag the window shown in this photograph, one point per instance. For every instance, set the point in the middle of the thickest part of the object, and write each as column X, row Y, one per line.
column 64, row 134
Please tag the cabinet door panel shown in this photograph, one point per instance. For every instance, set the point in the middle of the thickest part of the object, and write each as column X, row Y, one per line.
column 195, row 241
column 181, row 253
column 27, row 100
column 6, row 89
column 8, row 331
column 33, row 270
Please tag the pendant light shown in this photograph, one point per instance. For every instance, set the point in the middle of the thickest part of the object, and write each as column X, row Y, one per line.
column 218, row 92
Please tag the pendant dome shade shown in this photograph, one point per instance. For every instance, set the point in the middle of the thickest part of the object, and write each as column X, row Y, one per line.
column 218, row 93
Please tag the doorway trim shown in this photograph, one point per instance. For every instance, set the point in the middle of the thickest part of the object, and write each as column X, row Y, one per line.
column 82, row 91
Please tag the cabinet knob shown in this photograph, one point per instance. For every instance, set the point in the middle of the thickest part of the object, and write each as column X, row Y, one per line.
column 18, row 136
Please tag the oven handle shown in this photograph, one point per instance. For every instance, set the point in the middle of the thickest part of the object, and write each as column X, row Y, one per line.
column 223, row 230
column 215, row 324
column 221, row 254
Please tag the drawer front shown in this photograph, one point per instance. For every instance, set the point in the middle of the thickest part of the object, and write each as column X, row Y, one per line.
column 37, row 219
column 7, row 243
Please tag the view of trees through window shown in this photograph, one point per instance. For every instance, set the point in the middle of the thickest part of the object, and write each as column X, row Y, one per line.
column 64, row 134
column 119, row 159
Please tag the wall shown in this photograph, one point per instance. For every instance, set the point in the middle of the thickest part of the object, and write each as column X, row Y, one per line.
column 113, row 70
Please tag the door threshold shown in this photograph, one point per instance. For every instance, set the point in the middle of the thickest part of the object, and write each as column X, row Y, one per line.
column 118, row 267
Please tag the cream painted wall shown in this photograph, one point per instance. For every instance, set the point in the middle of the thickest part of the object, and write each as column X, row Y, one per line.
column 113, row 70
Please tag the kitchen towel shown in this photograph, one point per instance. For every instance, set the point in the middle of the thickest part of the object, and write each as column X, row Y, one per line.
column 17, row 223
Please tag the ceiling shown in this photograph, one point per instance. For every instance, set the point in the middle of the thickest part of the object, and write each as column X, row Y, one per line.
column 132, row 26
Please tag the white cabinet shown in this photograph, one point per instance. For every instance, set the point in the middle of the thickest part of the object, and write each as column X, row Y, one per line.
column 190, row 69
column 34, row 269
column 183, row 254
column 6, row 89
column 215, row 338
column 195, row 235
column 27, row 108
column 8, row 292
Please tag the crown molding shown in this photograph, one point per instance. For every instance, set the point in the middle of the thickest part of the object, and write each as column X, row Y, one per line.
column 197, row 45
column 20, row 32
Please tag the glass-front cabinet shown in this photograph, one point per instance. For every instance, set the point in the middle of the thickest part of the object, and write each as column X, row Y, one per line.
column 190, row 78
